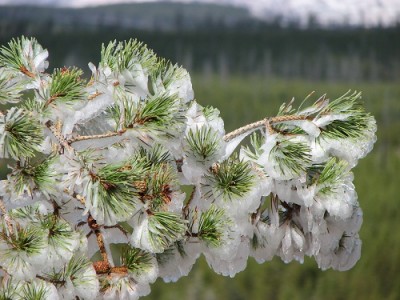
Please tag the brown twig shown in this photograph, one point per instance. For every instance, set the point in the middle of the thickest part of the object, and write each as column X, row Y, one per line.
column 6, row 216
column 93, row 137
column 99, row 237
column 56, row 131
column 28, row 73
column 186, row 207
column 264, row 122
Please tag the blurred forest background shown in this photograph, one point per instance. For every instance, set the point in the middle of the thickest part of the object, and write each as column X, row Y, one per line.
column 247, row 68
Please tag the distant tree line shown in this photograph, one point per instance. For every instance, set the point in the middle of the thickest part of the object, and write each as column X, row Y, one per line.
column 351, row 54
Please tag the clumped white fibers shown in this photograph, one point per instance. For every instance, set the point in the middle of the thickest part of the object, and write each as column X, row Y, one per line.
column 124, row 178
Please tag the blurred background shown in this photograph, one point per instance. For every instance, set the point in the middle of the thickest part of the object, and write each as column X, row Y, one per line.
column 246, row 58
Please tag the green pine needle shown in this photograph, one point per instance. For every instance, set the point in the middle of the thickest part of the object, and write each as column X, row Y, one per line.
column 291, row 157
column 165, row 228
column 36, row 106
column 203, row 142
column 212, row 226
column 10, row 88
column 136, row 260
column 232, row 178
column 160, row 182
column 9, row 289
column 161, row 111
column 40, row 176
column 30, row 291
column 66, row 85
column 124, row 55
column 12, row 56
column 29, row 239
column 154, row 113
column 61, row 234
column 76, row 270
column 332, row 175
column 355, row 125
column 350, row 102
column 256, row 141
column 22, row 134
column 167, row 72
column 155, row 156
column 28, row 212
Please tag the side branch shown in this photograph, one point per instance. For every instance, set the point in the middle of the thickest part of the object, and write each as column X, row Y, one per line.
column 231, row 135
column 267, row 122
column 6, row 216
column 93, row 137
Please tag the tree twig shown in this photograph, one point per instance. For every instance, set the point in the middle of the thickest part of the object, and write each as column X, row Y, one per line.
column 93, row 137
column 6, row 216
column 259, row 124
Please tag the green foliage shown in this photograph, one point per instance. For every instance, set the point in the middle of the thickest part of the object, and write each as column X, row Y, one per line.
column 136, row 260
column 60, row 232
column 155, row 156
column 356, row 123
column 154, row 113
column 9, row 290
column 123, row 55
column 203, row 142
column 27, row 239
column 256, row 141
column 166, row 72
column 369, row 278
column 29, row 175
column 333, row 175
column 66, row 85
column 165, row 228
column 12, row 56
column 9, row 88
column 213, row 225
column 22, row 134
column 76, row 270
column 291, row 156
column 232, row 177
column 34, row 291
column 112, row 192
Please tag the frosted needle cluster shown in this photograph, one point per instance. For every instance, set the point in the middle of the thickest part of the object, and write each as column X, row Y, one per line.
column 123, row 178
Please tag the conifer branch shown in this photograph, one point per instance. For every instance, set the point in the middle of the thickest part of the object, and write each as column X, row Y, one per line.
column 267, row 122
column 102, row 266
column 6, row 216
column 79, row 138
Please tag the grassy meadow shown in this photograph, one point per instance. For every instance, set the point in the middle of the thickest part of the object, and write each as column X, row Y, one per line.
column 377, row 275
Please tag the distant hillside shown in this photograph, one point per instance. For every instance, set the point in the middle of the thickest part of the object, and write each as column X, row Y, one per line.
column 146, row 16
column 210, row 38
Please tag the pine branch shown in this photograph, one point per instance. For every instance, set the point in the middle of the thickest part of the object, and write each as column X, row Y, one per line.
column 291, row 157
column 123, row 55
column 203, row 142
column 231, row 178
column 79, row 138
column 22, row 134
column 66, row 85
column 7, row 218
column 10, row 88
column 136, row 261
column 165, row 228
column 104, row 265
column 23, row 55
column 213, row 225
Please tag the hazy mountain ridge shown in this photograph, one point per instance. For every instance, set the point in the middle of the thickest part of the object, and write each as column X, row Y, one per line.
column 146, row 16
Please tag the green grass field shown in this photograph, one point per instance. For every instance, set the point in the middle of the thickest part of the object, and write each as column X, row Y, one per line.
column 377, row 274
